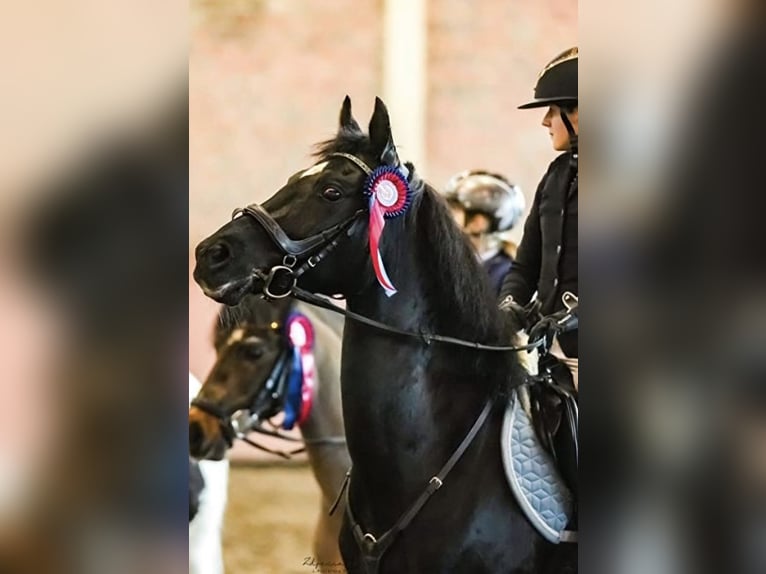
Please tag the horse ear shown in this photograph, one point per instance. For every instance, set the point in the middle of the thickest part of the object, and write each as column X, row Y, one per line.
column 380, row 135
column 347, row 121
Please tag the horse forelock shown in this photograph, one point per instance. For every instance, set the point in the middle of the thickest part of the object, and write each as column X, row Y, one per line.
column 345, row 141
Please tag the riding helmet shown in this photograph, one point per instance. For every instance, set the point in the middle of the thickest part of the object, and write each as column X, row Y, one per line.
column 557, row 83
column 491, row 194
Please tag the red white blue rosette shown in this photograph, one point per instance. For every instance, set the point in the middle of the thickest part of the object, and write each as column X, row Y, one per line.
column 390, row 196
column 301, row 335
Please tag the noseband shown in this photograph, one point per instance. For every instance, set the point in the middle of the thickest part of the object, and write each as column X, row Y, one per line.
column 281, row 279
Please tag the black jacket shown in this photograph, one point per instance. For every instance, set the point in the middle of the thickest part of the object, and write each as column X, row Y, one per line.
column 546, row 261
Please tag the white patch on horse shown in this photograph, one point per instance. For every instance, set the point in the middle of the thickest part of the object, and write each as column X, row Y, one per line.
column 236, row 335
column 318, row 168
column 252, row 340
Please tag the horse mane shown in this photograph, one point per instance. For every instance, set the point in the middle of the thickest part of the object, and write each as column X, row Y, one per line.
column 456, row 283
column 461, row 296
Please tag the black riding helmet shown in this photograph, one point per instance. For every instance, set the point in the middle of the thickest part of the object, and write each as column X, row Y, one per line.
column 557, row 85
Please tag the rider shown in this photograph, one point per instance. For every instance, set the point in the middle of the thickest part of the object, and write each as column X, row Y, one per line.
column 546, row 260
column 546, row 264
column 492, row 205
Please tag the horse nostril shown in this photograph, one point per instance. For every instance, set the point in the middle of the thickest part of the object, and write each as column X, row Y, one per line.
column 196, row 438
column 218, row 253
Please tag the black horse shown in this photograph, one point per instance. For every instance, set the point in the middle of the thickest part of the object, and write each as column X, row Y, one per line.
column 409, row 403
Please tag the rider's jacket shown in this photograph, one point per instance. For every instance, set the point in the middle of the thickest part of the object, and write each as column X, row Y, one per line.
column 546, row 260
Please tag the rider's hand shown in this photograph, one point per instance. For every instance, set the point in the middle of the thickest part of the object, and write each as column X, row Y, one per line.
column 548, row 327
column 522, row 317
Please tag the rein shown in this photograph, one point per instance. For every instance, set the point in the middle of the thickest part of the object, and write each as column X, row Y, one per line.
column 427, row 338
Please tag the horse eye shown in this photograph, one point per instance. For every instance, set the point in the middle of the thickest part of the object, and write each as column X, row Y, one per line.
column 253, row 351
column 332, row 194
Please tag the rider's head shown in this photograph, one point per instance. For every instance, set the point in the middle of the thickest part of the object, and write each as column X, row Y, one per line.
column 492, row 204
column 556, row 89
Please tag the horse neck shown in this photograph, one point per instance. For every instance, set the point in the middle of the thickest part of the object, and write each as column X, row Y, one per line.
column 407, row 405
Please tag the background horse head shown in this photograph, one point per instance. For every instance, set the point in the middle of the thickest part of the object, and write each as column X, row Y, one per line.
column 249, row 340
column 407, row 404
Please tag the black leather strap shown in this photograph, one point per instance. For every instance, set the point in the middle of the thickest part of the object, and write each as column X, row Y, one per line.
column 294, row 247
column 373, row 548
column 427, row 338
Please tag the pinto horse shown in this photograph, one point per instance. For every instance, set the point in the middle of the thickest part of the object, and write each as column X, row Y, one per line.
column 423, row 414
column 251, row 343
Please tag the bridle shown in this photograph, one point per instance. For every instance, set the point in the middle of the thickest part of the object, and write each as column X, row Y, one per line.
column 313, row 248
column 281, row 280
column 237, row 423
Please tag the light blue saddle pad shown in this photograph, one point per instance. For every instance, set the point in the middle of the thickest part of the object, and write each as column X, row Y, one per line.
column 532, row 474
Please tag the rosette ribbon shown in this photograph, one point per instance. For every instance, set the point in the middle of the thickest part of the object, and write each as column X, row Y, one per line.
column 302, row 382
column 390, row 196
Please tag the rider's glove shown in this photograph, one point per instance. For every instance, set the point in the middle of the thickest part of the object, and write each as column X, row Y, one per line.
column 522, row 317
column 548, row 327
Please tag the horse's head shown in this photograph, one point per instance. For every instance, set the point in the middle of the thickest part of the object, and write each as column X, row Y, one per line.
column 251, row 351
column 313, row 229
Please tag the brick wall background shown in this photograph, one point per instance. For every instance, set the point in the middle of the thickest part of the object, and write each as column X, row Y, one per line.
column 267, row 78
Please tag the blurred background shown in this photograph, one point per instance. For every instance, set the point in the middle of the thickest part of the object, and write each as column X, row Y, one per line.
column 672, row 266
column 93, row 276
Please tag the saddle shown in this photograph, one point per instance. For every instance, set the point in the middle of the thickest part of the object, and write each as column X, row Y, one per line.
column 540, row 450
